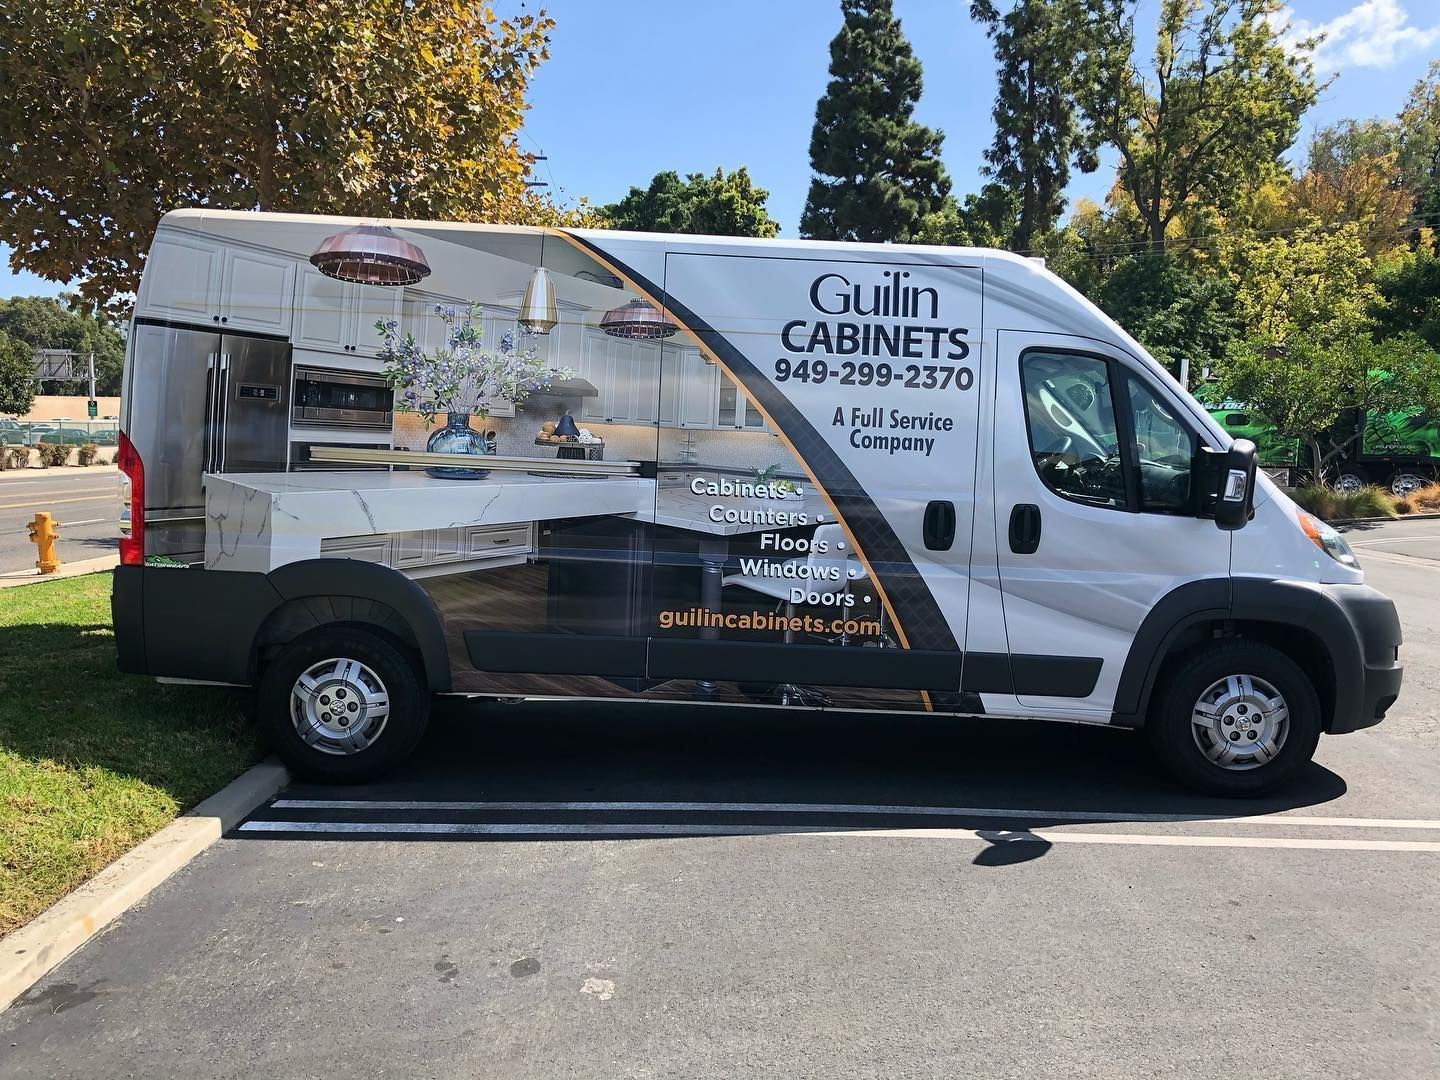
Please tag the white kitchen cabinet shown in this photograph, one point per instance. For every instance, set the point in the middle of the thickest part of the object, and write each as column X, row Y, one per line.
column 734, row 410
column 644, row 381
column 699, row 385
column 340, row 316
column 373, row 549
column 197, row 280
column 257, row 291
column 182, row 280
column 432, row 552
column 627, row 374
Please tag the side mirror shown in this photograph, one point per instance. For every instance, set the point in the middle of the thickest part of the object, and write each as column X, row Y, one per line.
column 1226, row 481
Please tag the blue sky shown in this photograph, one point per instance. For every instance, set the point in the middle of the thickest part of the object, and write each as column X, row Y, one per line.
column 637, row 87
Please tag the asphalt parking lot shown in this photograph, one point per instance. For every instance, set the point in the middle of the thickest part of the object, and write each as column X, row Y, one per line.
column 661, row 892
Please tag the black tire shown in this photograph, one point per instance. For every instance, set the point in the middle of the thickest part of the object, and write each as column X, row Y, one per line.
column 409, row 703
column 1176, row 744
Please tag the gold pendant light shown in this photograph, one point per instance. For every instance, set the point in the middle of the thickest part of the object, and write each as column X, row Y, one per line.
column 537, row 308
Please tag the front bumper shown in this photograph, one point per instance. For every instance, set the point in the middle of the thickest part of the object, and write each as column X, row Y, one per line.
column 1374, row 682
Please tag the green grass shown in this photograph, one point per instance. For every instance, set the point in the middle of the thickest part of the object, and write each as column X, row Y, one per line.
column 92, row 761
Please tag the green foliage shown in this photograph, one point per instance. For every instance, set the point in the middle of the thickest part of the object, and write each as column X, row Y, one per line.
column 17, row 370
column 722, row 204
column 1171, row 309
column 878, row 172
column 1330, row 504
column 42, row 322
column 984, row 220
column 1208, row 121
column 1304, row 385
column 1419, row 150
column 115, row 111
column 1315, row 282
column 1409, row 288
column 1036, row 129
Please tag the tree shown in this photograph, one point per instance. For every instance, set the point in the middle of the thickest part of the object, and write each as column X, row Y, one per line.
column 41, row 322
column 878, row 172
column 723, row 204
column 1222, row 101
column 1315, row 283
column 983, row 220
column 1036, row 130
column 1419, row 151
column 17, row 373
column 1304, row 386
column 1353, row 176
column 1409, row 287
column 115, row 111
column 1175, row 312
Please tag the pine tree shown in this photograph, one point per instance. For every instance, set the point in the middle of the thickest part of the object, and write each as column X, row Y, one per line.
column 1036, row 133
column 879, row 173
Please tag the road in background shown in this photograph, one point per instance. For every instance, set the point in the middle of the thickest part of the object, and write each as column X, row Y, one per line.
column 84, row 501
column 898, row 896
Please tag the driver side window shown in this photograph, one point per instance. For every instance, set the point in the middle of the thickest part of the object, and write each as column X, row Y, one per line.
column 1074, row 437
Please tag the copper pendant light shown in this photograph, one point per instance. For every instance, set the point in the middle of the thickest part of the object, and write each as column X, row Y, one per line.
column 537, row 308
column 370, row 255
column 638, row 319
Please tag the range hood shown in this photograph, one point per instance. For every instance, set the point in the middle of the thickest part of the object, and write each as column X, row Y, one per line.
column 574, row 386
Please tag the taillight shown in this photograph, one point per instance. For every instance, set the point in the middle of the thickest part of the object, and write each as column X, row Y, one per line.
column 132, row 547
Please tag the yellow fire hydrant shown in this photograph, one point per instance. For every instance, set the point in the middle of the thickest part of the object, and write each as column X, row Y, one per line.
column 43, row 531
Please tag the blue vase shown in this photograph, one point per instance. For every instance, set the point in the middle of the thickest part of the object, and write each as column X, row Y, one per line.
column 456, row 437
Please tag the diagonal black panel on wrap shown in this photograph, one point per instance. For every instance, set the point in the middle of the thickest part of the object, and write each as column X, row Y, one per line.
column 920, row 618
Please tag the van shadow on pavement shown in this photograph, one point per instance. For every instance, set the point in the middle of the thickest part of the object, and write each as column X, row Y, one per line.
column 589, row 752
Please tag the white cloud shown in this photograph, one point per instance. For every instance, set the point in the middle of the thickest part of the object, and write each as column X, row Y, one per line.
column 1374, row 33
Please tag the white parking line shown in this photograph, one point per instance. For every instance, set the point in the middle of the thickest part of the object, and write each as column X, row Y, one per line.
column 1094, row 816
column 393, row 828
column 1396, row 540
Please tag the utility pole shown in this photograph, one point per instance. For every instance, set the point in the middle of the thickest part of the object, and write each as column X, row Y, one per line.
column 91, row 405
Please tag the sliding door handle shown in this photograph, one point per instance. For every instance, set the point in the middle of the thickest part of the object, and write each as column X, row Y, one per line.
column 1025, row 529
column 938, row 528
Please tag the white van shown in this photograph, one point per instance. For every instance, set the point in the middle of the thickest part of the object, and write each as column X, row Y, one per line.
column 837, row 476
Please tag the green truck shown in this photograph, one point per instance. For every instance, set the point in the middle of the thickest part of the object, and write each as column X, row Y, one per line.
column 1398, row 450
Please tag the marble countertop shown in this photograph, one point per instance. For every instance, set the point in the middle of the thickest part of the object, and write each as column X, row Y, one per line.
column 258, row 521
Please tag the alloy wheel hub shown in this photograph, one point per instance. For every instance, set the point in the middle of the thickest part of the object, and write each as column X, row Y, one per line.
column 339, row 706
column 1240, row 722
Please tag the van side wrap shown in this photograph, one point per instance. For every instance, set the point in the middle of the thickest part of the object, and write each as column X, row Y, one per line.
column 917, row 616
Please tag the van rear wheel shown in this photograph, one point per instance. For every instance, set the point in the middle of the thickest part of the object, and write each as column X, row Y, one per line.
column 342, row 704
column 1239, row 718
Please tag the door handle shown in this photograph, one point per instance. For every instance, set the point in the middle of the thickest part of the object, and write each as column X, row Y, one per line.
column 1025, row 529
column 939, row 525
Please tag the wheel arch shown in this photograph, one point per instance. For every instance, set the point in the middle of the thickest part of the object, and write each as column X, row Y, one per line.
column 319, row 592
column 1297, row 618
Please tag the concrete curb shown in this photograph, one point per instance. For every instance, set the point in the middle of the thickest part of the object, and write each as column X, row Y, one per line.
column 37, row 947
column 1383, row 520
column 66, row 570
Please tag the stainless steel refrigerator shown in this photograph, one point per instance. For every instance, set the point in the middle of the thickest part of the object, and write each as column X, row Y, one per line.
column 224, row 407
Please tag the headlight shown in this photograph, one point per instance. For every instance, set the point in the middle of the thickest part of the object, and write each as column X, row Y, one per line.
column 1328, row 540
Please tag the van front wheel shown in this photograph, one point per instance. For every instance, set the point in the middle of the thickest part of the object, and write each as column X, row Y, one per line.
column 1239, row 718
column 342, row 704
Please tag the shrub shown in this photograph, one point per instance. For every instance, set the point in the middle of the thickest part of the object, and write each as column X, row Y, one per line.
column 53, row 454
column 1404, row 506
column 86, row 454
column 1426, row 499
column 1332, row 505
column 18, row 457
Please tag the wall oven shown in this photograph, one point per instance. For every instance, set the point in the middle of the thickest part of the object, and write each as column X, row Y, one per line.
column 325, row 398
